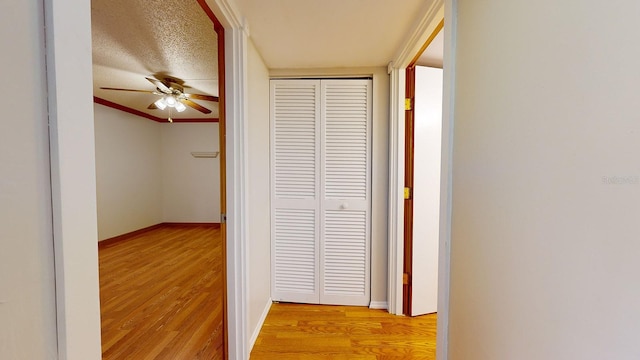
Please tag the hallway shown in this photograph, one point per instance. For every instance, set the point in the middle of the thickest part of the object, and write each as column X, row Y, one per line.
column 300, row 331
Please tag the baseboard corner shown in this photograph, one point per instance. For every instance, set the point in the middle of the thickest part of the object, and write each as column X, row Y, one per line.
column 382, row 305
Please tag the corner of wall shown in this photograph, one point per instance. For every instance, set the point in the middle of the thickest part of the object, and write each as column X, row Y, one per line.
column 256, row 331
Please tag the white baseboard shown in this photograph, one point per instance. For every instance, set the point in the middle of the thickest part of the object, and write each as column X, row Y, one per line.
column 378, row 305
column 256, row 331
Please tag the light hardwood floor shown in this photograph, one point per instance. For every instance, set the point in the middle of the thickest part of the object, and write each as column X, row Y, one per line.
column 297, row 331
column 161, row 295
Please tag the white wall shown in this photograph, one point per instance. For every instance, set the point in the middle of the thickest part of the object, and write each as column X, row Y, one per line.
column 426, row 189
column 546, row 196
column 380, row 167
column 191, row 186
column 146, row 174
column 259, row 201
column 128, row 172
column 27, row 293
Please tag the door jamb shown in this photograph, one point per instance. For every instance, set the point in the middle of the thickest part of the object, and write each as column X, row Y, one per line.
column 69, row 84
column 424, row 27
column 410, row 90
column 409, row 139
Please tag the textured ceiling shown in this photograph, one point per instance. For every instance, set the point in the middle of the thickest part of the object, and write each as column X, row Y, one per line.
column 137, row 38
column 330, row 33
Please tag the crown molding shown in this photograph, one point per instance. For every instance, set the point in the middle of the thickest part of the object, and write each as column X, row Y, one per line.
column 143, row 114
column 422, row 29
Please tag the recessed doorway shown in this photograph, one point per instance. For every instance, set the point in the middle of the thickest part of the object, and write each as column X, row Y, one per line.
column 159, row 120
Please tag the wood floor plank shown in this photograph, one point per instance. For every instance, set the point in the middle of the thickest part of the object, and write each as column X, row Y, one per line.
column 161, row 295
column 300, row 331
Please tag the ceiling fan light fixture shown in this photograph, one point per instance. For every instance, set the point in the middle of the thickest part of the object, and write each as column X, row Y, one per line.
column 160, row 104
column 170, row 101
column 180, row 107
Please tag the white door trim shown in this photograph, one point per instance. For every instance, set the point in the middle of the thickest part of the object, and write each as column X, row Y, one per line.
column 73, row 181
column 422, row 29
column 396, row 189
column 236, row 38
column 446, row 180
column 69, row 73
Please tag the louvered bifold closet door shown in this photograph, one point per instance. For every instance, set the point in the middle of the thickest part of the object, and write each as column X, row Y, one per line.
column 295, row 189
column 345, row 192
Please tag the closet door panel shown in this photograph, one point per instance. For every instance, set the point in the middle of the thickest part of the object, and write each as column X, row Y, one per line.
column 295, row 184
column 321, row 170
column 345, row 192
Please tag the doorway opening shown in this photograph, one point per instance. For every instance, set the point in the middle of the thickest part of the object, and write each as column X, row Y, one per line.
column 423, row 134
column 160, row 165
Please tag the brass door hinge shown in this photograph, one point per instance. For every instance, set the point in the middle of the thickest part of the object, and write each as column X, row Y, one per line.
column 407, row 193
column 407, row 104
column 405, row 279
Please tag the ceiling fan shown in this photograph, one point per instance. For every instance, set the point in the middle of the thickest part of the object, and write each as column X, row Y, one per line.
column 173, row 95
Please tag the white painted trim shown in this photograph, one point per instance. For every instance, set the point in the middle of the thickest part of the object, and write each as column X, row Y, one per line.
column 236, row 200
column 422, row 29
column 396, row 190
column 236, row 38
column 256, row 331
column 227, row 13
column 446, row 180
column 382, row 305
column 237, row 188
column 73, row 176
column 73, row 180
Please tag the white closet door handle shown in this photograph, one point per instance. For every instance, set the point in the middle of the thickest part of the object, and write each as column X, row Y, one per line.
column 344, row 206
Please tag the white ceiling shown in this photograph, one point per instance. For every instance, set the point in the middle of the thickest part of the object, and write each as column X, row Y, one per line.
column 329, row 33
column 137, row 38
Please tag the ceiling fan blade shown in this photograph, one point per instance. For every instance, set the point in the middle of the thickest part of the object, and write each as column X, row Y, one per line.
column 196, row 106
column 201, row 97
column 135, row 90
column 160, row 85
column 152, row 106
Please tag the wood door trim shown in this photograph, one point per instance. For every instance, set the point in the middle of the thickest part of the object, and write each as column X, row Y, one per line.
column 219, row 29
column 223, row 175
column 410, row 89
column 408, row 183
column 426, row 44
column 143, row 114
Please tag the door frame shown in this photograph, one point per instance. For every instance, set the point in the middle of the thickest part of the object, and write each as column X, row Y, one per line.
column 319, row 83
column 423, row 28
column 409, row 162
column 409, row 140
column 72, row 156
